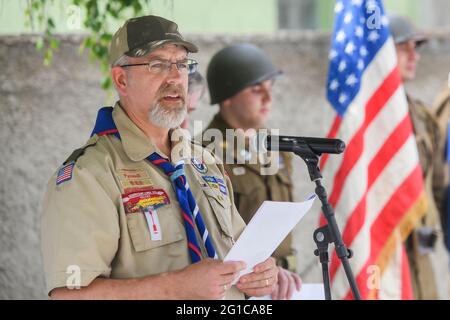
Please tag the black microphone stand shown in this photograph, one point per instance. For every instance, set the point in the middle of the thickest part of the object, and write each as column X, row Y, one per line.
column 328, row 233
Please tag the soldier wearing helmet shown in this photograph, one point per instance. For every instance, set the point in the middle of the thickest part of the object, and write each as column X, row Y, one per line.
column 240, row 79
column 421, row 244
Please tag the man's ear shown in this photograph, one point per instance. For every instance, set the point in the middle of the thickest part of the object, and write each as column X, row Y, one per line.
column 120, row 80
column 225, row 103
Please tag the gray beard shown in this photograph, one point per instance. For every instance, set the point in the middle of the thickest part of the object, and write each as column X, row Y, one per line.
column 165, row 117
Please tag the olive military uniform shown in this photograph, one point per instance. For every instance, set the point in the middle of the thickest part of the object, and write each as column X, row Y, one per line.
column 86, row 224
column 423, row 238
column 441, row 111
column 251, row 188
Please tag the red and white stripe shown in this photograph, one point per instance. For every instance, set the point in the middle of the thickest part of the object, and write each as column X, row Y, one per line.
column 377, row 180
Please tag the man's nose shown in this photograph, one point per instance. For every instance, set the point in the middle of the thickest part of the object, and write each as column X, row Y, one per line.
column 267, row 91
column 412, row 51
column 174, row 75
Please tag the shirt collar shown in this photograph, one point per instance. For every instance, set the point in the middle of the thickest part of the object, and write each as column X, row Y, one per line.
column 138, row 146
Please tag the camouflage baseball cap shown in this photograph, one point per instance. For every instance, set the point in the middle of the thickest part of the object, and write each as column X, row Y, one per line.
column 139, row 36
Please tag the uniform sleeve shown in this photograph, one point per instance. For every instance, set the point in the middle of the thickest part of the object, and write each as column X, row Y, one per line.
column 440, row 166
column 80, row 231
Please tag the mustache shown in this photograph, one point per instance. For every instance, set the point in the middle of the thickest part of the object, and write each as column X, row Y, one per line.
column 172, row 89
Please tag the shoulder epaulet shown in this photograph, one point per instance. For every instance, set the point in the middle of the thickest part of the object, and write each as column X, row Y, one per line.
column 80, row 151
column 206, row 152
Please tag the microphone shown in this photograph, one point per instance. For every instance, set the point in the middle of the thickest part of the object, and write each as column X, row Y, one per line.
column 289, row 143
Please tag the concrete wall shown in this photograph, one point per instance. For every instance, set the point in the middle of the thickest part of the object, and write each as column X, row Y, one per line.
column 47, row 112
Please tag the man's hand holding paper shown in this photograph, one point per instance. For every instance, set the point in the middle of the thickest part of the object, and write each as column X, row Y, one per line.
column 267, row 229
column 261, row 281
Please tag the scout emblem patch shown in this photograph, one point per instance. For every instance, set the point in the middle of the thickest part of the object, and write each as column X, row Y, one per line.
column 199, row 165
column 65, row 173
column 216, row 183
column 142, row 200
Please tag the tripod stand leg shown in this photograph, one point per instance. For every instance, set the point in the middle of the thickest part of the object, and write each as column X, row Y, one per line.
column 326, row 280
column 322, row 238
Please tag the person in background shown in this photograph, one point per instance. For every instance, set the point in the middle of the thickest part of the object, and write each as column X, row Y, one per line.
column 240, row 79
column 421, row 244
column 196, row 90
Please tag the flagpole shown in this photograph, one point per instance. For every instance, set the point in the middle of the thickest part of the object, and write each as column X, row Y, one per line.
column 329, row 233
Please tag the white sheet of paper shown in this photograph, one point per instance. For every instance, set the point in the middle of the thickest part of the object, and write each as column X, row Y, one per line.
column 309, row 291
column 266, row 230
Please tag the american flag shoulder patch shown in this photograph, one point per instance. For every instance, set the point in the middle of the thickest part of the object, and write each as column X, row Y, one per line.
column 65, row 173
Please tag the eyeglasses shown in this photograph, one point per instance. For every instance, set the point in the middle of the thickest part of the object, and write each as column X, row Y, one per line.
column 159, row 67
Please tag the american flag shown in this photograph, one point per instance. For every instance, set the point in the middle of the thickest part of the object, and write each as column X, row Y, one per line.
column 376, row 187
column 65, row 173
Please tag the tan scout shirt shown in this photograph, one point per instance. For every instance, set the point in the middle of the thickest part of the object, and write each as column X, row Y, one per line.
column 85, row 224
column 252, row 188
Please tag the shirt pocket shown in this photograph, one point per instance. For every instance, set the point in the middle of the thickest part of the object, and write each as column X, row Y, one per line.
column 170, row 227
column 221, row 206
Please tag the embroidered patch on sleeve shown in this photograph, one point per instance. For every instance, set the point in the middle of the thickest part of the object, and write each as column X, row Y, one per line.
column 65, row 173
column 199, row 165
column 216, row 183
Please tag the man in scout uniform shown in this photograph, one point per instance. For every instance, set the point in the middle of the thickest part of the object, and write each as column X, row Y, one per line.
column 129, row 215
column 421, row 243
column 240, row 79
column 441, row 111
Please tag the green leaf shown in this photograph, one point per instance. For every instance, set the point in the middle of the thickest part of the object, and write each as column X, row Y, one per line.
column 97, row 15
column 137, row 7
column 54, row 44
column 88, row 41
column 106, row 37
column 48, row 57
column 50, row 23
column 35, row 5
column 40, row 43
column 106, row 83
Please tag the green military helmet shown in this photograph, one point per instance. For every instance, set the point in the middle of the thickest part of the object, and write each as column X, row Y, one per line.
column 402, row 30
column 235, row 68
